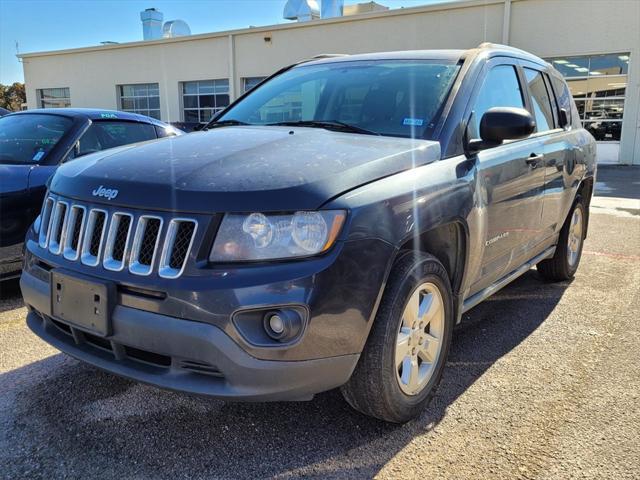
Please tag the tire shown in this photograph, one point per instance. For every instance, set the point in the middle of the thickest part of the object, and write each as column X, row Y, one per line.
column 564, row 263
column 380, row 386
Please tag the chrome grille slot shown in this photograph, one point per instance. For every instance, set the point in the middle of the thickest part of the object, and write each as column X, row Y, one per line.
column 57, row 227
column 117, row 241
column 177, row 244
column 145, row 244
column 43, row 235
column 75, row 224
column 93, row 237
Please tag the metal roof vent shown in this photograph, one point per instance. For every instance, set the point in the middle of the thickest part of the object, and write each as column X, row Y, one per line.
column 331, row 8
column 151, row 24
column 175, row 28
column 301, row 10
column 153, row 29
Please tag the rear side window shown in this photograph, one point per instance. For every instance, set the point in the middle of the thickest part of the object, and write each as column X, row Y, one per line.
column 563, row 96
column 540, row 100
column 500, row 88
column 102, row 135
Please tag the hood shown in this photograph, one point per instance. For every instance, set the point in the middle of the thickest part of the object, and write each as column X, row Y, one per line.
column 240, row 169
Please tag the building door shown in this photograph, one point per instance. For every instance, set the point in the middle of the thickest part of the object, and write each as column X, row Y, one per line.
column 598, row 84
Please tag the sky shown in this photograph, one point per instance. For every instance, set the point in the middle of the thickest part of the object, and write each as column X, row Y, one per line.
column 40, row 25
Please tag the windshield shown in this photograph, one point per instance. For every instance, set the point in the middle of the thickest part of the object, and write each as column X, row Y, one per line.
column 28, row 138
column 395, row 98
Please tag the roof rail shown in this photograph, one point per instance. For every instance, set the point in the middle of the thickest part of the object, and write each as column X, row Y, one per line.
column 329, row 55
column 499, row 46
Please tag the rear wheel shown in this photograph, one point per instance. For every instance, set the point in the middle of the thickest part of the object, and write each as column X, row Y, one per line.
column 564, row 263
column 403, row 360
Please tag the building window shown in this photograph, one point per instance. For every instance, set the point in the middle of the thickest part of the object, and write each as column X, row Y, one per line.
column 249, row 82
column 54, row 97
column 142, row 98
column 598, row 85
column 203, row 99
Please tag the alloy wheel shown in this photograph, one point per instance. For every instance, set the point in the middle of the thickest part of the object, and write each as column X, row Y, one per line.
column 420, row 337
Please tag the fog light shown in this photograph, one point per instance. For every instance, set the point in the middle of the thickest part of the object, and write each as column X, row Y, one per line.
column 282, row 325
column 276, row 324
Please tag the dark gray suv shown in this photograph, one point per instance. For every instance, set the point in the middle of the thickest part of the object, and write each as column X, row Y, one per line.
column 328, row 229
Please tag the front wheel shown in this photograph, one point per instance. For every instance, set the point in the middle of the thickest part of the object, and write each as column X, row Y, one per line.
column 403, row 360
column 564, row 263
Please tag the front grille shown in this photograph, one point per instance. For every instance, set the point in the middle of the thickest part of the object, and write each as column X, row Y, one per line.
column 181, row 244
column 93, row 236
column 145, row 245
column 71, row 249
column 45, row 224
column 77, row 228
column 180, row 235
column 58, row 222
column 116, row 239
column 96, row 235
column 149, row 240
column 122, row 234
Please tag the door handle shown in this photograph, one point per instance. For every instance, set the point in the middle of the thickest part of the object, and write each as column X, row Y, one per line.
column 534, row 159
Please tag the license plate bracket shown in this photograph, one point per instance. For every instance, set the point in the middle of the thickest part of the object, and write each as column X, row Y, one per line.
column 83, row 302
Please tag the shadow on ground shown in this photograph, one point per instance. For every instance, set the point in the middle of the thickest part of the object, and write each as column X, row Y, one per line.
column 10, row 296
column 81, row 422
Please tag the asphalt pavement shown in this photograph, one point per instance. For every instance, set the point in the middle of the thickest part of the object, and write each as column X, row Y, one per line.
column 542, row 382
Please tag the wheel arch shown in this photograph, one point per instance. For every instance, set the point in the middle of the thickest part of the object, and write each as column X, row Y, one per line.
column 585, row 191
column 448, row 241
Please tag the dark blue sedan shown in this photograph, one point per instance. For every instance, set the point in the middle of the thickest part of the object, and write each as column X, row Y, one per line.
column 34, row 143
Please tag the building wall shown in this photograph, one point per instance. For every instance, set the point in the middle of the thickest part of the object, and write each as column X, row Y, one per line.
column 550, row 28
column 544, row 27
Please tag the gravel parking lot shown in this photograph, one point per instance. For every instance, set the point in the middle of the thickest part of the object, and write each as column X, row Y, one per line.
column 542, row 382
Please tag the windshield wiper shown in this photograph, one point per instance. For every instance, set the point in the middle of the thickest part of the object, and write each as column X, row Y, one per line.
column 224, row 123
column 328, row 124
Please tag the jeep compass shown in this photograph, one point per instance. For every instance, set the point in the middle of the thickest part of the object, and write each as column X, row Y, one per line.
column 328, row 229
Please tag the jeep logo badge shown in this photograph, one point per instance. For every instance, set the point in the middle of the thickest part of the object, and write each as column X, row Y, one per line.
column 108, row 193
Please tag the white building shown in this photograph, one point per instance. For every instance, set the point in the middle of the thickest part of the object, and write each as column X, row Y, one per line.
column 595, row 43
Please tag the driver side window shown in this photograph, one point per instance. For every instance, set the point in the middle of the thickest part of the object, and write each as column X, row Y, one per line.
column 87, row 143
column 500, row 88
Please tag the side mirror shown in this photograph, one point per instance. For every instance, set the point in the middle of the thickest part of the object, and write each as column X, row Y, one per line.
column 563, row 118
column 503, row 123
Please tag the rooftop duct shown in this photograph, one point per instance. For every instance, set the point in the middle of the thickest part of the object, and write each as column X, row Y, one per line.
column 151, row 24
column 175, row 28
column 153, row 29
column 331, row 8
column 301, row 10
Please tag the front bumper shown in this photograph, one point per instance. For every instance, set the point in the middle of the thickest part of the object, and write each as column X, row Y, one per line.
column 183, row 355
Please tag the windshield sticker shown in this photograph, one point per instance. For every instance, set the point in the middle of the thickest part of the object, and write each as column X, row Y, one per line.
column 108, row 115
column 38, row 156
column 414, row 122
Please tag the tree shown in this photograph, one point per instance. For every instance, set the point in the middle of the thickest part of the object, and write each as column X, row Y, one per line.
column 12, row 96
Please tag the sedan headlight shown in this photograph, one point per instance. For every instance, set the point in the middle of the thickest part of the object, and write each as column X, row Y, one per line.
column 36, row 224
column 259, row 236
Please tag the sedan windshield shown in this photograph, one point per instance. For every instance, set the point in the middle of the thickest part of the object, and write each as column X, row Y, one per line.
column 28, row 138
column 401, row 98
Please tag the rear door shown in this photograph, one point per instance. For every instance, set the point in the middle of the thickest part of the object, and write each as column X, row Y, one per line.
column 557, row 145
column 509, row 179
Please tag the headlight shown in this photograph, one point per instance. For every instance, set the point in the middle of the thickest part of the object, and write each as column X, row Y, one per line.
column 267, row 237
column 36, row 224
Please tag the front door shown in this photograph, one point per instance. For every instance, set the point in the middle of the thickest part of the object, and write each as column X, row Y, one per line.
column 510, row 182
